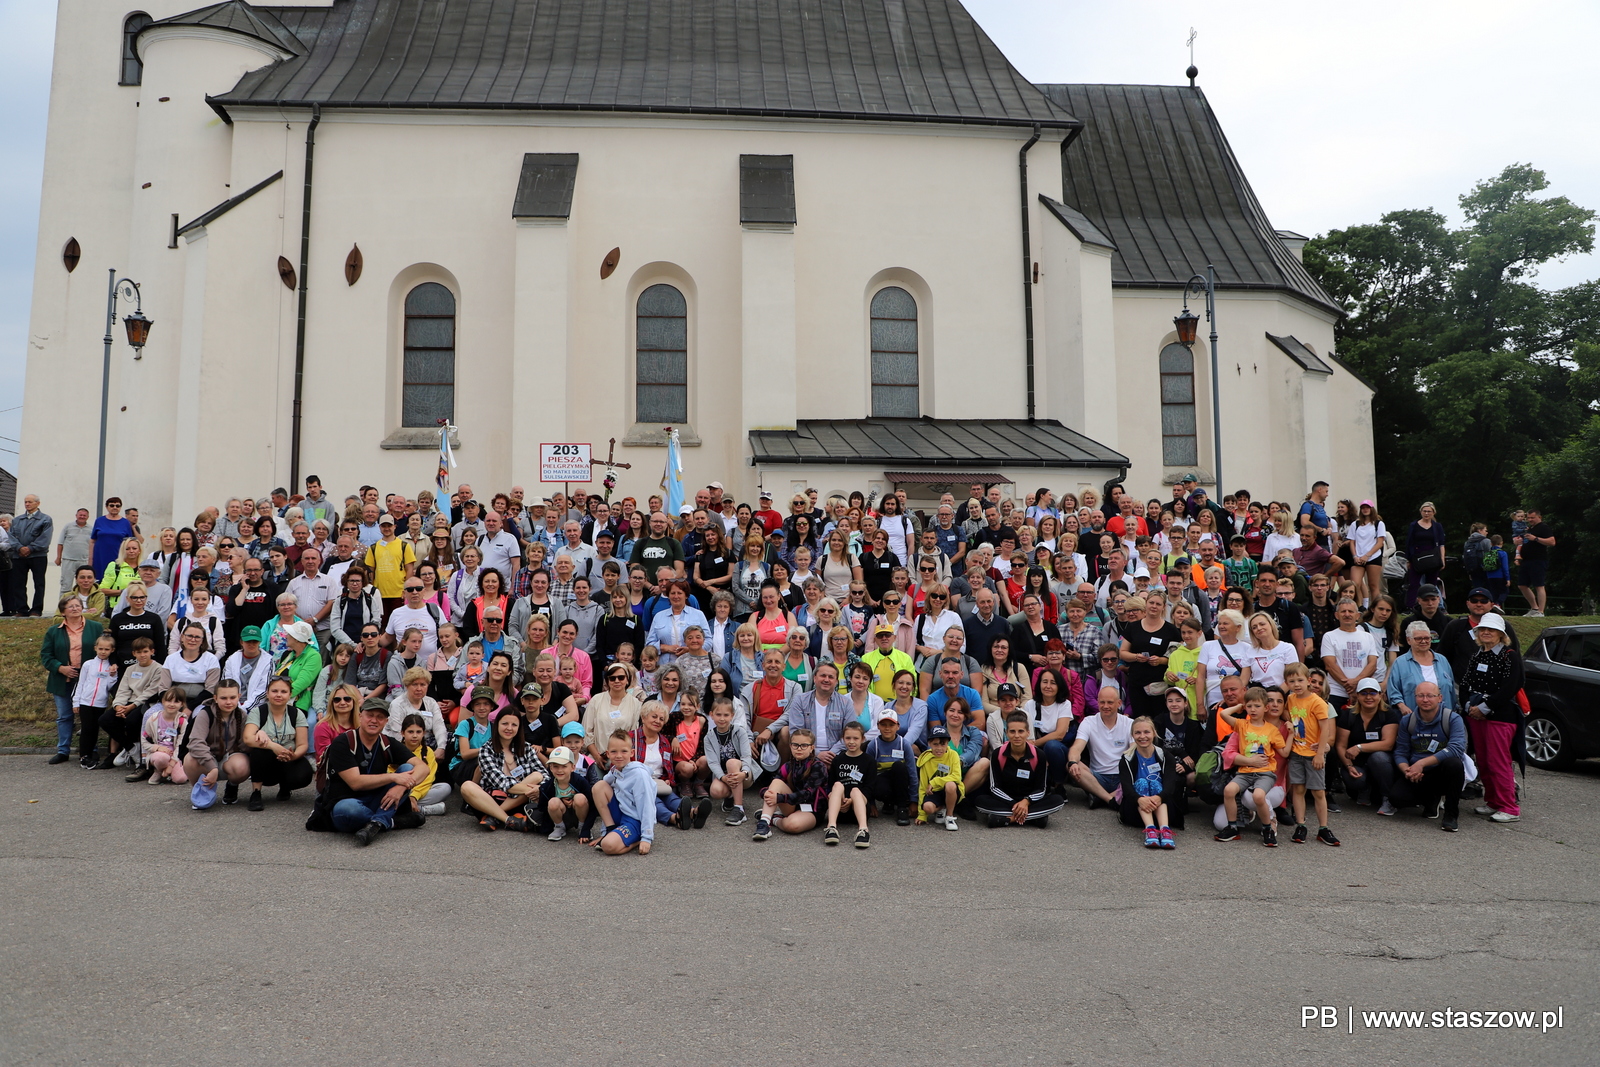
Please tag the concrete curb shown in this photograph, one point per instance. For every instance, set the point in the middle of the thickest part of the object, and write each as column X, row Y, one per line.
column 18, row 750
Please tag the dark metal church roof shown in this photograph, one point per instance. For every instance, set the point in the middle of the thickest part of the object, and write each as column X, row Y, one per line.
column 896, row 60
column 237, row 16
column 941, row 443
column 1153, row 171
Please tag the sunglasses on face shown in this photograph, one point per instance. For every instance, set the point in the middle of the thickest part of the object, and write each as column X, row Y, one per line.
column 343, row 700
column 413, row 588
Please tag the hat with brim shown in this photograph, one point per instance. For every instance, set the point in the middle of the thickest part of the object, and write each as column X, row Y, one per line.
column 1492, row 621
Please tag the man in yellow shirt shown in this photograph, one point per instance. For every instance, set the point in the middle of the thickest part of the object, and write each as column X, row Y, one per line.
column 886, row 661
column 391, row 562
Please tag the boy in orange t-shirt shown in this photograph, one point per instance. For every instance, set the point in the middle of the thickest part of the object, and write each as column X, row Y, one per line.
column 1312, row 732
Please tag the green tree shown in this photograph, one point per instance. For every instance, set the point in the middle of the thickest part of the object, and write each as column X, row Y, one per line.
column 1565, row 484
column 1479, row 373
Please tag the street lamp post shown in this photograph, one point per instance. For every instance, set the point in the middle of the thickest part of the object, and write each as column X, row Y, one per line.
column 1186, row 322
column 138, row 328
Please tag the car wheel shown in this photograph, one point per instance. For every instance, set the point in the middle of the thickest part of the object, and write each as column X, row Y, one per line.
column 1547, row 743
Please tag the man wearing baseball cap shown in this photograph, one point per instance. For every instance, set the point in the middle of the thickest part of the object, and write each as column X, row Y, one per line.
column 390, row 562
column 771, row 521
column 158, row 595
column 364, row 796
column 887, row 661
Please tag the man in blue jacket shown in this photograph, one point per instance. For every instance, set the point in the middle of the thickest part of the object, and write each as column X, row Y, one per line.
column 1428, row 753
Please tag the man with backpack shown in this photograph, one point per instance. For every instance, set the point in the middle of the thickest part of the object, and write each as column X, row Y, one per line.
column 1428, row 755
column 412, row 612
column 360, row 793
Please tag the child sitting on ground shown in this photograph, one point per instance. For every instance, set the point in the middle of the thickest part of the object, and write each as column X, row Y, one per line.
column 566, row 798
column 850, row 782
column 162, row 729
column 1145, row 786
column 800, row 787
column 939, row 783
column 428, row 795
column 626, row 800
column 1259, row 740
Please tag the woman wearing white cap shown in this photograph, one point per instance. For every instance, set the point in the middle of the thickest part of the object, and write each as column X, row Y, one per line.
column 1365, row 749
column 1489, row 689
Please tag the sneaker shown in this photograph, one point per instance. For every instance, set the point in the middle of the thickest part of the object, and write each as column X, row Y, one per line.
column 558, row 833
column 370, row 833
column 950, row 823
column 830, row 836
column 702, row 812
column 230, row 795
column 427, row 809
column 1041, row 823
column 1269, row 837
column 1386, row 808
column 1166, row 838
column 864, row 838
column 59, row 757
column 1483, row 809
column 727, row 804
column 137, row 776
column 1325, row 835
column 107, row 762
column 487, row 823
column 121, row 758
column 1334, row 808
column 1431, row 811
column 763, row 830
column 1299, row 835
column 284, row 793
column 1095, row 803
column 255, row 803
column 1535, row 615
column 91, row 762
column 997, row 821
column 1249, row 817
column 1229, row 832
column 1504, row 816
column 1152, row 837
column 902, row 816
column 736, row 817
column 519, row 822
column 1448, row 825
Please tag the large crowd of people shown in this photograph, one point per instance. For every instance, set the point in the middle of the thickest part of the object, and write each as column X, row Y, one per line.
column 581, row 667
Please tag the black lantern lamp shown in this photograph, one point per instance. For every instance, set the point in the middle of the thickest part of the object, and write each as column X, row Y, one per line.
column 1187, row 324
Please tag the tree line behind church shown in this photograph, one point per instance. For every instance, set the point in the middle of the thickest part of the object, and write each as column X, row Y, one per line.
column 1487, row 385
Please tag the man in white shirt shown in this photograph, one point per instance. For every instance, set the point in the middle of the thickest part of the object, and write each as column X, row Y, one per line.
column 500, row 549
column 582, row 555
column 1105, row 737
column 314, row 591
column 413, row 612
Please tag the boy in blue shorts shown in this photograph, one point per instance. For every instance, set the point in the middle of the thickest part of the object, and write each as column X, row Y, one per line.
column 626, row 800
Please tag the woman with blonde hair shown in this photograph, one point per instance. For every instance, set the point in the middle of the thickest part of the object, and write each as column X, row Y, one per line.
column 124, row 570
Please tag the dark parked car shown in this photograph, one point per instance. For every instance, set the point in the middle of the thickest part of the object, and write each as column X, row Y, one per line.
column 1563, row 686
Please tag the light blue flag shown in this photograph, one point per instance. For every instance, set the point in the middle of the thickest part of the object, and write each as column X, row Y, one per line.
column 672, row 478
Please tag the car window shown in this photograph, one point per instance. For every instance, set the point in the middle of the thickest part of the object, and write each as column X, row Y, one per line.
column 1583, row 650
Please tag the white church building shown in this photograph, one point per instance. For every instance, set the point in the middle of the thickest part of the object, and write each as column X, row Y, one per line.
column 837, row 243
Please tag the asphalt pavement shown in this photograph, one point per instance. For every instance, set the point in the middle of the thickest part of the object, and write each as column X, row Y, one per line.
column 139, row 931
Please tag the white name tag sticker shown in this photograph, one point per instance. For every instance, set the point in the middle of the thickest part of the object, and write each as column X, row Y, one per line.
column 899, row 753
column 1483, row 667
column 806, row 807
column 1024, row 775
column 1373, row 735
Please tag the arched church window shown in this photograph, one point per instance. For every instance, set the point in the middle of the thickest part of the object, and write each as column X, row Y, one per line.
column 894, row 355
column 132, row 66
column 428, row 392
column 1178, row 448
column 661, row 356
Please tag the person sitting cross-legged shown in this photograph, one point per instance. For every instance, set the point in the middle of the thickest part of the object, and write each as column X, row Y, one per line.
column 1103, row 737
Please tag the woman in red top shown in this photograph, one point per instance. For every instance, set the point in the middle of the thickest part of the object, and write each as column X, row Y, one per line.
column 491, row 593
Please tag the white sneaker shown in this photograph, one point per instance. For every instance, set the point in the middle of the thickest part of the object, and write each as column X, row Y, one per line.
column 1386, row 808
column 433, row 809
column 1504, row 816
column 558, row 833
column 122, row 758
column 1483, row 809
column 950, row 823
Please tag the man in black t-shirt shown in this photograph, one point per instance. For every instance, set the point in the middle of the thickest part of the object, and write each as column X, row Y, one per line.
column 251, row 602
column 1535, row 553
column 364, row 796
column 1291, row 624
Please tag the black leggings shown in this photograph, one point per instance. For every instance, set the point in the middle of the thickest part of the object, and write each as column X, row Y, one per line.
column 123, row 729
column 89, row 729
column 892, row 788
column 267, row 769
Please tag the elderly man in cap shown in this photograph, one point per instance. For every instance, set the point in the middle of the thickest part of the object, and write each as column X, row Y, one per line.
column 887, row 661
column 370, row 776
column 158, row 595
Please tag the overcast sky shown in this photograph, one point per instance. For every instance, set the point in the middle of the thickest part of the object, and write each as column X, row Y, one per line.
column 1338, row 112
